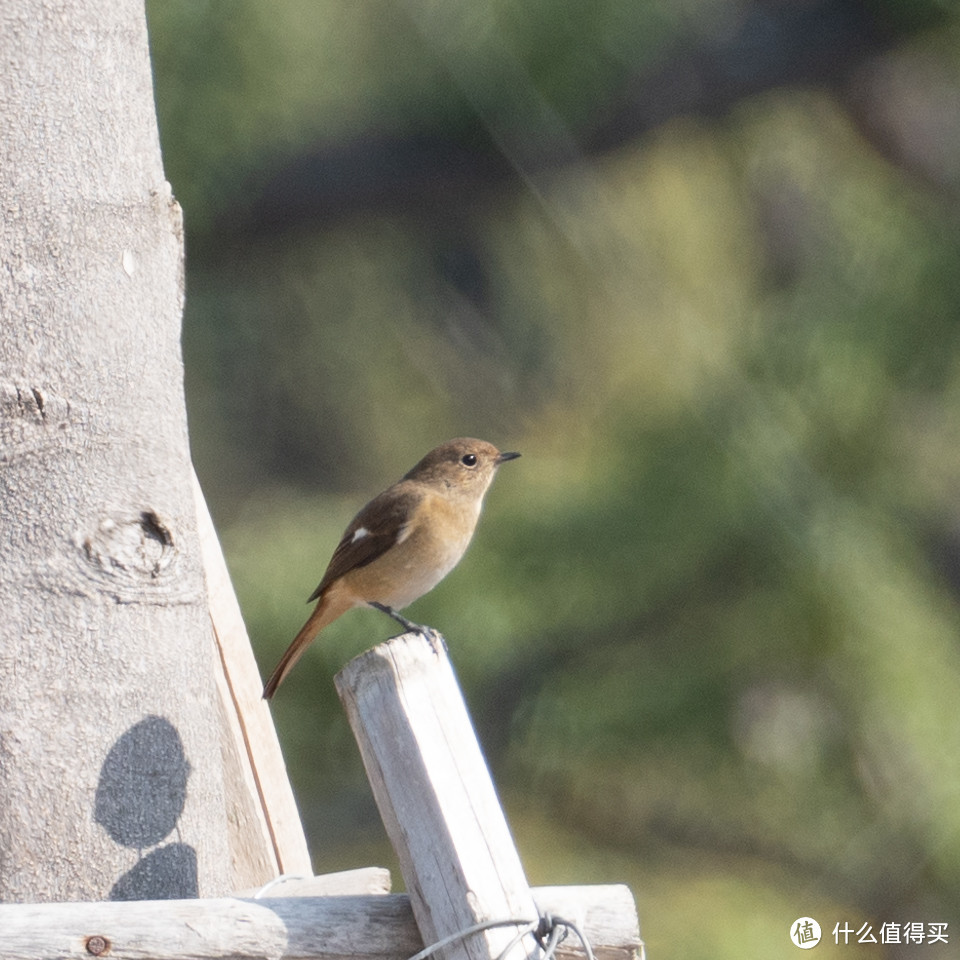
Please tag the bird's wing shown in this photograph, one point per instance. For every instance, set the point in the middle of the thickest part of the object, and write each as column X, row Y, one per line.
column 383, row 522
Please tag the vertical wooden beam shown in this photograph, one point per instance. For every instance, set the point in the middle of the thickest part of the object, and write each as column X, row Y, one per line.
column 436, row 797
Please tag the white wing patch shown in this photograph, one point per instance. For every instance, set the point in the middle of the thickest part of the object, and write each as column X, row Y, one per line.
column 359, row 534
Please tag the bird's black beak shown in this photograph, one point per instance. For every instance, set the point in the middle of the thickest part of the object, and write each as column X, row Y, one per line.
column 504, row 457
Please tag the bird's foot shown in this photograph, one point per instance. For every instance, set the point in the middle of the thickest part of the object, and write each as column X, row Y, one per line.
column 428, row 632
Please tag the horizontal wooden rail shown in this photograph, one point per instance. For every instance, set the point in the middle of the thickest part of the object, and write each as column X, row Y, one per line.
column 284, row 928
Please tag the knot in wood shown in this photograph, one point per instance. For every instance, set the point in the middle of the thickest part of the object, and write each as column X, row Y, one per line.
column 125, row 553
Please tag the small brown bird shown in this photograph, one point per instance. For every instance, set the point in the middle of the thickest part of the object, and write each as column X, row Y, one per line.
column 403, row 542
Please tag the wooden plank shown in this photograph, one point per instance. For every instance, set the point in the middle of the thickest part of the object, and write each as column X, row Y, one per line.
column 436, row 798
column 267, row 836
column 282, row 928
column 363, row 880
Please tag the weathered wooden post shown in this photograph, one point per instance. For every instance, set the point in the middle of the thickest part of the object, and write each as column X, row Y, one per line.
column 436, row 798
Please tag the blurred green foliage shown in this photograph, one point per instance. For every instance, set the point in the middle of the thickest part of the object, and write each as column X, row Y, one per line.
column 709, row 626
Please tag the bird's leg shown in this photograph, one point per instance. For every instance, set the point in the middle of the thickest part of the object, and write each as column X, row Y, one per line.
column 407, row 625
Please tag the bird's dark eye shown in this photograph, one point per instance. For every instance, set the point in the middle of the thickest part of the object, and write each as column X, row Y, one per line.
column 469, row 459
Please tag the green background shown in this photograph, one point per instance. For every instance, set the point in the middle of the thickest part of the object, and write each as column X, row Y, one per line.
column 700, row 263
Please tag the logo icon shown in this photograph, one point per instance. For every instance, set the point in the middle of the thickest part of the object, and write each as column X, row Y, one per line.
column 805, row 932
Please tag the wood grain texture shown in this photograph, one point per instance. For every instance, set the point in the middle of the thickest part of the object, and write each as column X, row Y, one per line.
column 308, row 928
column 435, row 795
column 266, row 836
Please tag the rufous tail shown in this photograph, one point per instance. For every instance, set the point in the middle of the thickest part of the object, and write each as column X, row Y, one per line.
column 332, row 604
